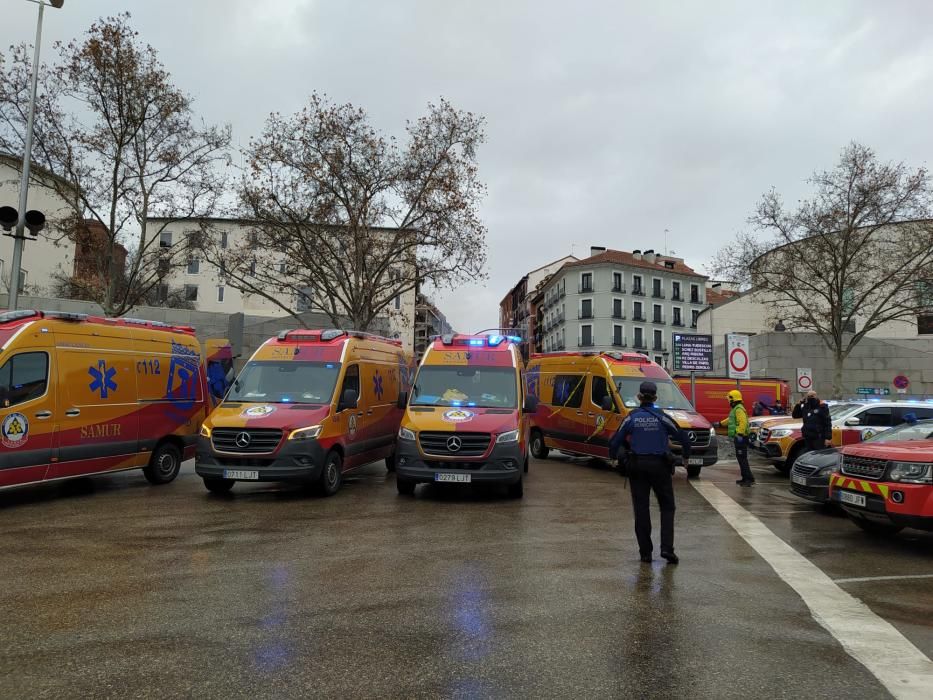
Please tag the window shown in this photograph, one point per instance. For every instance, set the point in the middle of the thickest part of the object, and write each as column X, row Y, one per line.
column 586, row 282
column 694, row 317
column 351, row 381
column 925, row 324
column 586, row 308
column 194, row 266
column 636, row 285
column 678, row 317
column 599, row 388
column 305, row 299
column 220, row 294
column 165, row 239
column 659, row 360
column 879, row 416
column 656, row 291
column 224, row 236
column 23, row 377
column 617, row 308
column 586, row 336
column 223, row 268
column 658, row 340
column 398, row 302
column 161, row 293
column 636, row 311
column 568, row 390
column 282, row 267
column 695, row 293
column 252, row 267
column 195, row 240
column 617, row 281
column 920, row 413
column 639, row 338
column 675, row 291
column 618, row 339
column 658, row 316
column 191, row 292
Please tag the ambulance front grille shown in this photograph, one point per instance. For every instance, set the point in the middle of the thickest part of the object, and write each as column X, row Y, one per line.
column 246, row 440
column 864, row 467
column 439, row 444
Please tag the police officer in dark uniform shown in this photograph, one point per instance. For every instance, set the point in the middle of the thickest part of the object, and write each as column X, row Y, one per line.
column 644, row 435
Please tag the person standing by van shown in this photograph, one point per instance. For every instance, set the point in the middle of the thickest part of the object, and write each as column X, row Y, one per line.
column 644, row 434
column 737, row 425
column 817, row 429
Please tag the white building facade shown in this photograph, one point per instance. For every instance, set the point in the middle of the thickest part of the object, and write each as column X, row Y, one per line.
column 616, row 300
column 205, row 286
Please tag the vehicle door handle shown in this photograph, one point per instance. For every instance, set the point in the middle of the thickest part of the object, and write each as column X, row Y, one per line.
column 42, row 415
column 360, row 414
column 369, row 412
column 72, row 412
column 591, row 415
column 579, row 413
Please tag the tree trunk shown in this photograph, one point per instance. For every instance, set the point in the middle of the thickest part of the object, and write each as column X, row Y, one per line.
column 838, row 366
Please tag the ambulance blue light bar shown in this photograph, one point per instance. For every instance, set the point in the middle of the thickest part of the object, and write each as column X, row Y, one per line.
column 492, row 341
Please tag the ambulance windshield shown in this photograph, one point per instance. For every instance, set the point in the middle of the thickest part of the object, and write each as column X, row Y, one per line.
column 669, row 394
column 480, row 387
column 286, row 382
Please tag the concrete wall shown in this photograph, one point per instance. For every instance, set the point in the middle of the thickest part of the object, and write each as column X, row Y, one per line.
column 874, row 362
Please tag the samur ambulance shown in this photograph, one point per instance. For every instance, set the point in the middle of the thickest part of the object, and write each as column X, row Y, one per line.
column 82, row 395
column 584, row 398
column 309, row 406
column 464, row 421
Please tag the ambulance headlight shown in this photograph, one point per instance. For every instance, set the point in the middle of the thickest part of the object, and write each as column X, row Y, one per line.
column 911, row 472
column 205, row 432
column 511, row 436
column 782, row 433
column 309, row 433
column 712, row 432
column 406, row 434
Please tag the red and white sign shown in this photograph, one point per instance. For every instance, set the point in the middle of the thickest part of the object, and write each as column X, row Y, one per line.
column 901, row 382
column 804, row 379
column 737, row 361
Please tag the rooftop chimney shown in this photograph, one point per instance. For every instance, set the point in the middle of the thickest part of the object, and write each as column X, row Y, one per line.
column 597, row 249
column 636, row 254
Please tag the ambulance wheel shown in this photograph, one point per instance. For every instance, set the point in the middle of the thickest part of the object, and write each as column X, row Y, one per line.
column 693, row 470
column 792, row 456
column 871, row 527
column 331, row 475
column 218, row 485
column 538, row 449
column 516, row 490
column 405, row 487
column 164, row 464
column 390, row 462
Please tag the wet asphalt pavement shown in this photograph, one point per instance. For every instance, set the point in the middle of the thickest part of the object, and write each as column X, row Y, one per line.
column 113, row 588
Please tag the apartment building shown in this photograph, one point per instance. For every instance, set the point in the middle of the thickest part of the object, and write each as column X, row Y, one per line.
column 615, row 300
column 429, row 322
column 206, row 287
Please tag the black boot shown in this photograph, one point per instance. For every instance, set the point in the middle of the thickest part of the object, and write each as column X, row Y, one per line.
column 671, row 557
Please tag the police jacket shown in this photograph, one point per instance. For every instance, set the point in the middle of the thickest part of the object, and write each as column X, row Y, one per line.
column 645, row 431
column 817, row 424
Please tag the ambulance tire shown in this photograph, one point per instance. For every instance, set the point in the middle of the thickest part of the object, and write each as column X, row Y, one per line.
column 538, row 449
column 405, row 487
column 792, row 456
column 164, row 464
column 873, row 528
column 218, row 485
column 390, row 463
column 516, row 490
column 331, row 475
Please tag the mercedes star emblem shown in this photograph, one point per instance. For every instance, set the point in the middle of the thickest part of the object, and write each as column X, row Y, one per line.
column 242, row 440
column 692, row 435
column 454, row 444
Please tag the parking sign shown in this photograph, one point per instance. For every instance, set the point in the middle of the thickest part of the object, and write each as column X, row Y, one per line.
column 737, row 361
column 804, row 379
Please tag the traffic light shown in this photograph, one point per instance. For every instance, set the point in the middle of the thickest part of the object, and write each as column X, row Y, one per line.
column 35, row 220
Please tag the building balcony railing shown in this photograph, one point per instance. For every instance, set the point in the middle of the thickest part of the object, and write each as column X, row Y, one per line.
column 618, row 288
column 695, row 300
column 639, row 317
column 693, row 325
column 657, row 294
column 619, row 343
column 658, row 319
column 586, row 342
column 659, row 347
column 639, row 345
column 676, row 297
column 585, row 314
column 678, row 323
column 586, row 288
column 638, row 291
column 618, row 315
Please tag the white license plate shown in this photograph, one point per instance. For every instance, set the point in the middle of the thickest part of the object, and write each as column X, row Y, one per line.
column 856, row 499
column 240, row 474
column 797, row 479
column 695, row 460
column 455, row 478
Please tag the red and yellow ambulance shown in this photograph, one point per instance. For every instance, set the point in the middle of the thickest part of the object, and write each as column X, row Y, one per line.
column 83, row 395
column 584, row 397
column 309, row 406
column 465, row 419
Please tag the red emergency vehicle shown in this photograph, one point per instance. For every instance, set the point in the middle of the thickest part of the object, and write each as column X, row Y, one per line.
column 711, row 403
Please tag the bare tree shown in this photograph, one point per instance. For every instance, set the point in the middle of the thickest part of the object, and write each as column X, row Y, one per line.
column 344, row 220
column 111, row 124
column 856, row 255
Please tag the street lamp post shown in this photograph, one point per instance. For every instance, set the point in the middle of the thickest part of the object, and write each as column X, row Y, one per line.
column 19, row 236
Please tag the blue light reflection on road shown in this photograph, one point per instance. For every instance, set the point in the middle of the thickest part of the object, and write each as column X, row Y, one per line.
column 274, row 650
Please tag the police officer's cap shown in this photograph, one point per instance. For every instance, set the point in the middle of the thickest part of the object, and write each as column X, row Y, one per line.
column 648, row 389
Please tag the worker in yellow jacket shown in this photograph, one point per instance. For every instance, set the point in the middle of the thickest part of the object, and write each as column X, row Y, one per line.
column 737, row 423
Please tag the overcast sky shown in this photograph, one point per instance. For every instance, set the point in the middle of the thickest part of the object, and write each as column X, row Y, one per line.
column 606, row 123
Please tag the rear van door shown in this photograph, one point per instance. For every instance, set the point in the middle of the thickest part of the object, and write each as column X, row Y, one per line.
column 27, row 416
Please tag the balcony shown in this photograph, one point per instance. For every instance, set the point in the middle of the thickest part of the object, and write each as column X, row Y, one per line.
column 676, row 297
column 639, row 317
column 560, row 346
column 639, row 345
column 693, row 325
column 658, row 319
column 657, row 294
column 678, row 323
column 618, row 315
column 618, row 288
column 586, row 342
column 619, row 343
column 638, row 291
column 659, row 347
column 695, row 300
column 585, row 314
column 585, row 288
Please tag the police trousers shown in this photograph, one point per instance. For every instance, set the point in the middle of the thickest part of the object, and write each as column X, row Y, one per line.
column 649, row 473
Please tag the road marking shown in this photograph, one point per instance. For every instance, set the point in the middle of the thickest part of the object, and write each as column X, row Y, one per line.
column 900, row 666
column 881, row 578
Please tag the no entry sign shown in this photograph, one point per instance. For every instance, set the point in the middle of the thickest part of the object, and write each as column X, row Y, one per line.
column 804, row 379
column 737, row 361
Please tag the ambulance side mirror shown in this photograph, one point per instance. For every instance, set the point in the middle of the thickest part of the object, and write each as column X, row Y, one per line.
column 402, row 401
column 531, row 404
column 606, row 404
column 349, row 399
